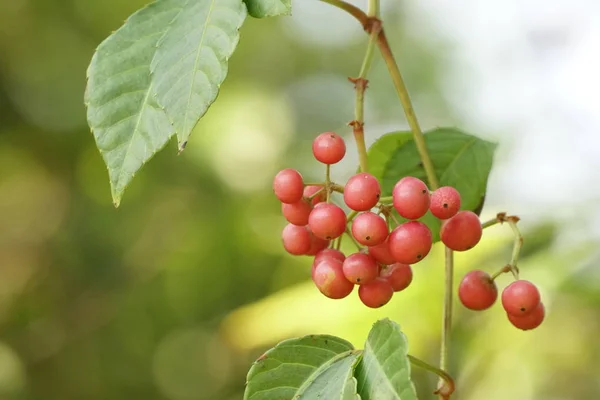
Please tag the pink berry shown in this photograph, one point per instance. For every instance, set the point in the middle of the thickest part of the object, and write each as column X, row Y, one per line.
column 461, row 232
column 311, row 190
column 288, row 185
column 296, row 239
column 360, row 268
column 520, row 298
column 369, row 229
column 411, row 197
column 327, row 253
column 362, row 192
column 445, row 202
column 329, row 279
column 529, row 321
column 327, row 221
column 381, row 253
column 375, row 294
column 477, row 291
column 316, row 245
column 398, row 275
column 410, row 242
column 296, row 213
column 329, row 148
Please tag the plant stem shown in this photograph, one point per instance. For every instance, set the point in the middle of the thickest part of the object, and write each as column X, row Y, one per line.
column 448, row 388
column 447, row 318
column 358, row 246
column 328, row 182
column 349, row 8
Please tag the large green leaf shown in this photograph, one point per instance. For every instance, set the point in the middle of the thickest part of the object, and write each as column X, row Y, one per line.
column 268, row 8
column 291, row 368
column 128, row 124
column 191, row 61
column 382, row 150
column 384, row 370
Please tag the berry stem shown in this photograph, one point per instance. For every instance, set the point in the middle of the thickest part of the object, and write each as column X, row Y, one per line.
column 351, row 215
column 512, row 222
column 328, row 182
column 444, row 391
column 386, row 199
column 314, row 184
column 358, row 246
column 315, row 194
column 447, row 319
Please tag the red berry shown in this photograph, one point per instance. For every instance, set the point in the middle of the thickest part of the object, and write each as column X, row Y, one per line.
column 410, row 242
column 296, row 213
column 529, row 321
column 477, row 291
column 381, row 253
column 369, row 229
column 327, row 221
column 311, row 190
column 398, row 275
column 461, row 232
column 329, row 148
column 375, row 294
column 316, row 245
column 362, row 192
column 329, row 279
column 324, row 254
column 360, row 268
column 520, row 298
column 296, row 239
column 288, row 185
column 445, row 202
column 411, row 197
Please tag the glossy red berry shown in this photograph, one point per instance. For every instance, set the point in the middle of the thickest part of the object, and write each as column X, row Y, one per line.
column 327, row 221
column 329, row 278
column 311, row 190
column 477, row 291
column 327, row 253
column 381, row 253
column 461, row 232
column 329, row 148
column 296, row 239
column 520, row 298
column 296, row 213
column 411, row 197
column 398, row 275
column 445, row 202
column 362, row 192
column 288, row 185
column 375, row 294
column 316, row 245
column 529, row 321
column 369, row 229
column 410, row 242
column 360, row 268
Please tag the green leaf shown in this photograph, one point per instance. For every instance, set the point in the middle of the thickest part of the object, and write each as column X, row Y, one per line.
column 128, row 125
column 268, row 8
column 382, row 150
column 384, row 371
column 191, row 61
column 291, row 368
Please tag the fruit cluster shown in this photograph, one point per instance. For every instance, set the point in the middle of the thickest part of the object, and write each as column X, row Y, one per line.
column 382, row 264
column 521, row 299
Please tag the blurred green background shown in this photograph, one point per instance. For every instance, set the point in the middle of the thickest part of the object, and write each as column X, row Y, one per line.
column 174, row 294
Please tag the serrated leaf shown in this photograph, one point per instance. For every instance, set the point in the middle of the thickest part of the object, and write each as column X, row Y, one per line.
column 268, row 8
column 384, row 371
column 191, row 61
column 294, row 364
column 128, row 125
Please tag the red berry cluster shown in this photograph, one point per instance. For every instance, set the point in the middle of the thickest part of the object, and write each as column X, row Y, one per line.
column 383, row 265
column 521, row 299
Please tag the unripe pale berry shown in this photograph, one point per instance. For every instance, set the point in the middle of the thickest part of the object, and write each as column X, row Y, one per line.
column 369, row 229
column 445, row 202
column 398, row 275
column 329, row 279
column 529, row 321
column 381, row 253
column 520, row 298
column 362, row 192
column 311, row 190
column 327, row 221
column 375, row 294
column 360, row 268
column 288, row 185
column 325, row 254
column 477, row 291
column 296, row 213
column 410, row 242
column 461, row 232
column 316, row 245
column 411, row 197
column 329, row 148
column 296, row 239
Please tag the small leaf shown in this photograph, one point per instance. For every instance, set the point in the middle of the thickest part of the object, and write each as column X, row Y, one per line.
column 384, row 371
column 334, row 380
column 128, row 125
column 290, row 368
column 191, row 61
column 268, row 8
